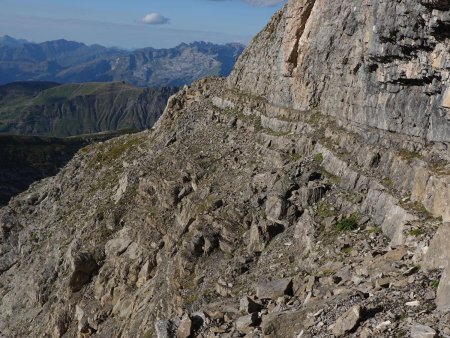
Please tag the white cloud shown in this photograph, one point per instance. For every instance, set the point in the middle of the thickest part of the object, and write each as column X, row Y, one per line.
column 155, row 19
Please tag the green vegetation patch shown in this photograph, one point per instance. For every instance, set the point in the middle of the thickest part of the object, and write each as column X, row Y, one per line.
column 296, row 157
column 348, row 224
column 112, row 152
column 409, row 156
column 315, row 118
column 434, row 283
column 440, row 167
column 420, row 208
column 416, row 232
column 374, row 230
column 333, row 179
column 401, row 334
column 150, row 333
column 70, row 91
column 387, row 182
column 318, row 158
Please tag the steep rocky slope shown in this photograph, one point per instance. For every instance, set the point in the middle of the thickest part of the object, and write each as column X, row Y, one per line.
column 250, row 210
column 46, row 108
column 68, row 61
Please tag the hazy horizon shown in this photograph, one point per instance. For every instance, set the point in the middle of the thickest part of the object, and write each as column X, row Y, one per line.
column 18, row 38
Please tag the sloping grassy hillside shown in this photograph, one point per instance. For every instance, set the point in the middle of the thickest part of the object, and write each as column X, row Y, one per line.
column 48, row 109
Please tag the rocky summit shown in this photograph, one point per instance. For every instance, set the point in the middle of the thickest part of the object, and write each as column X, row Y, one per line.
column 307, row 195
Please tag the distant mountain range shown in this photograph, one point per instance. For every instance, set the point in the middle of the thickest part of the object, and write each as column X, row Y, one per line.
column 51, row 109
column 65, row 61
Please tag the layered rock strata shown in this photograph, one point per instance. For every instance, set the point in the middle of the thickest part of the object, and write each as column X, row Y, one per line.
column 381, row 64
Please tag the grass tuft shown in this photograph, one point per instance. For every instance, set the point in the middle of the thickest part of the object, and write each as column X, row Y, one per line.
column 348, row 224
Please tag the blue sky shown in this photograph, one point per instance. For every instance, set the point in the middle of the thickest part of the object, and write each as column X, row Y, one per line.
column 136, row 23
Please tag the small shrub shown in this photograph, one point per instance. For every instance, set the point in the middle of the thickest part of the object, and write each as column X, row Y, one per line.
column 409, row 156
column 346, row 250
column 318, row 158
column 375, row 230
column 149, row 334
column 333, row 179
column 430, row 306
column 419, row 207
column 315, row 118
column 258, row 124
column 296, row 157
column 347, row 224
column 388, row 182
column 403, row 317
column 416, row 232
column 401, row 334
column 275, row 133
column 435, row 283
column 439, row 166
column 327, row 273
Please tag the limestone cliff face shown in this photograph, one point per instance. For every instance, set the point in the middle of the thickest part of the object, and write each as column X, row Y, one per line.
column 77, row 109
column 382, row 64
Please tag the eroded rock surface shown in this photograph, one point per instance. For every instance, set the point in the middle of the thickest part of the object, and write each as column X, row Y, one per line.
column 239, row 217
column 383, row 64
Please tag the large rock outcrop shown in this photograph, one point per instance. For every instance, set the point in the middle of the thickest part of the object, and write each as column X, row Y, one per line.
column 382, row 64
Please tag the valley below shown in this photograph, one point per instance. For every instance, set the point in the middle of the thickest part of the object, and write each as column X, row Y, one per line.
column 27, row 159
column 43, row 124
column 49, row 109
